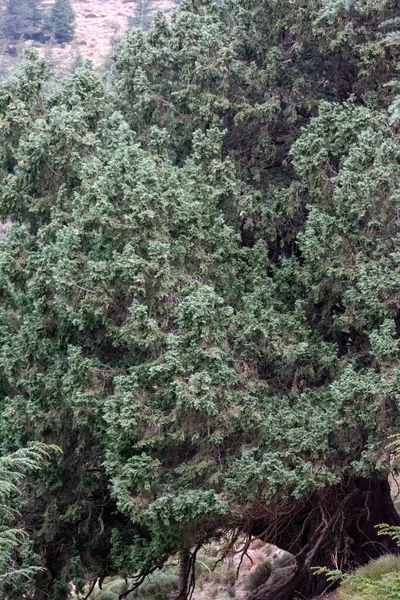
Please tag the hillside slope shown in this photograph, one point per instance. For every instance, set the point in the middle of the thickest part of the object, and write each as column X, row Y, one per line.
column 98, row 24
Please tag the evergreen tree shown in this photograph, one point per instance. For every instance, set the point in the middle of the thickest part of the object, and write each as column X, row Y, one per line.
column 61, row 21
column 143, row 18
column 199, row 293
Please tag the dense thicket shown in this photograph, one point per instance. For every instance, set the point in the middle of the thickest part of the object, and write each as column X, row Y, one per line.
column 199, row 293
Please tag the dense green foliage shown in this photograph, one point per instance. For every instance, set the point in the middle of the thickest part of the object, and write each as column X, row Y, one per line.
column 199, row 293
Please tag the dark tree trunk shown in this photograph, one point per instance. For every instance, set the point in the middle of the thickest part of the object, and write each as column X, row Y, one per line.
column 43, row 586
column 184, row 568
column 335, row 528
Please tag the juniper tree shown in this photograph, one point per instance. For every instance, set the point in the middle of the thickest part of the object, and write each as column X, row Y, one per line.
column 70, row 499
column 199, row 293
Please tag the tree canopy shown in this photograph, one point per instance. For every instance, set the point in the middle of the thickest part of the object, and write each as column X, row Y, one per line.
column 199, row 292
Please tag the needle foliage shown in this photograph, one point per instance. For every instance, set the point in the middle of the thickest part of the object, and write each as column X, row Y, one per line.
column 199, row 292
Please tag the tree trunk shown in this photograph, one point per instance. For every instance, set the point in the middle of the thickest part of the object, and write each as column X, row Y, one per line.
column 335, row 528
column 184, row 566
column 43, row 586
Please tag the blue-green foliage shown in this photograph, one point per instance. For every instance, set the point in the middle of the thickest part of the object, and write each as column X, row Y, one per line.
column 199, row 292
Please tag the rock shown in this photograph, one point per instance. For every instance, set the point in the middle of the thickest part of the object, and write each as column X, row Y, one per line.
column 278, row 576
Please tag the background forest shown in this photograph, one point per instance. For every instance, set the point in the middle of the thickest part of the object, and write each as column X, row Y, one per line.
column 199, row 305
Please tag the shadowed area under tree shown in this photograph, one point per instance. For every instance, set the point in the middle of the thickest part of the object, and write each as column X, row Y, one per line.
column 338, row 527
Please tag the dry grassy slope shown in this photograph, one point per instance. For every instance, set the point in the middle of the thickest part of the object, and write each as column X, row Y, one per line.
column 98, row 23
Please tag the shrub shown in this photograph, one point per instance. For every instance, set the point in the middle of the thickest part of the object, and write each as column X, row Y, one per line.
column 107, row 595
column 157, row 586
column 209, row 570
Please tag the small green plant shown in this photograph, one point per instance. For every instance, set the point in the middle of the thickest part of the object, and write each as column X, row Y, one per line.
column 331, row 575
column 155, row 587
column 391, row 530
column 13, row 468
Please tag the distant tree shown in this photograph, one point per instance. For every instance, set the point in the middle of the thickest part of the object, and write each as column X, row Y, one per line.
column 61, row 21
column 21, row 18
column 143, row 18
